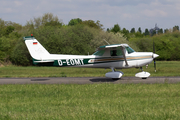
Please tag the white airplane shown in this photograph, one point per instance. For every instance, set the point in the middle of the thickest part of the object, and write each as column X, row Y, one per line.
column 119, row 56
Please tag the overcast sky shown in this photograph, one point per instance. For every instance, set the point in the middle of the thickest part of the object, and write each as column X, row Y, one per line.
column 127, row 13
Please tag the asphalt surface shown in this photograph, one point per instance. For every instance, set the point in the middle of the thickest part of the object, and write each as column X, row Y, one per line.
column 89, row 80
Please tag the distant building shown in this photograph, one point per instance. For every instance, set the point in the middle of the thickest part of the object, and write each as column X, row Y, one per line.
column 154, row 30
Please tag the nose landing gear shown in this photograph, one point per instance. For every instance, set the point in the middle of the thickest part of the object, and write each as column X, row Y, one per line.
column 143, row 74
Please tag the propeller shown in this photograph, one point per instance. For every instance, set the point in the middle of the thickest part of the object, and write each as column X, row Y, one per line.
column 154, row 56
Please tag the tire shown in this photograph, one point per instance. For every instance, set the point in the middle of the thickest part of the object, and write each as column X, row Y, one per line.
column 115, row 78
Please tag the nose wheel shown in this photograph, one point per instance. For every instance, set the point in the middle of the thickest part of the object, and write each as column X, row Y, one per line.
column 143, row 74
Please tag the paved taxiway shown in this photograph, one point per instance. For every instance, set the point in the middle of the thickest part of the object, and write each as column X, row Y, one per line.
column 88, row 80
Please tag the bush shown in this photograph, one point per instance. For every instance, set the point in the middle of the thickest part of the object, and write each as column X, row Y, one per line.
column 20, row 54
column 167, row 45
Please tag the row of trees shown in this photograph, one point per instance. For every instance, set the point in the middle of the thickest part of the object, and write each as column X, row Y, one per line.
column 79, row 37
column 148, row 32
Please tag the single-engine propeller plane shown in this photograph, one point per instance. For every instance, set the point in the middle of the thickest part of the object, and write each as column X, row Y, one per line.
column 118, row 56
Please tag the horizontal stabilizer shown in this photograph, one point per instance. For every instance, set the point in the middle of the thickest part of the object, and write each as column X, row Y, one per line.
column 43, row 61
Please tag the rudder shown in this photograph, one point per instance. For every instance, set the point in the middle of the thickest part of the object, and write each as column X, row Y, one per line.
column 36, row 50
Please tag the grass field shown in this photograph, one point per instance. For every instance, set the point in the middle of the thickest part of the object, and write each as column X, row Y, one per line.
column 92, row 101
column 164, row 68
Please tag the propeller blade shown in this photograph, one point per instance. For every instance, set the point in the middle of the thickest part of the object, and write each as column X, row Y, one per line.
column 154, row 64
column 154, row 57
column 153, row 47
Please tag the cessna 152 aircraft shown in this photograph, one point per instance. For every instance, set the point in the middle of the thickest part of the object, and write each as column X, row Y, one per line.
column 117, row 56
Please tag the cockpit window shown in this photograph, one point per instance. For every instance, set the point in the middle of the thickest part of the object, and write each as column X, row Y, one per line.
column 99, row 53
column 129, row 50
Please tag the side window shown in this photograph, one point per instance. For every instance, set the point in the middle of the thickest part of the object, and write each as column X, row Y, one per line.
column 116, row 52
column 99, row 53
column 113, row 52
column 119, row 52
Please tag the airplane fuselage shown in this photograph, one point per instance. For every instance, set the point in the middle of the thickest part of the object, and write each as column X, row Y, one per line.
column 135, row 59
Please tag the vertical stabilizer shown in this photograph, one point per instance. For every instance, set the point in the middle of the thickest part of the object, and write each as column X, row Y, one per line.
column 36, row 50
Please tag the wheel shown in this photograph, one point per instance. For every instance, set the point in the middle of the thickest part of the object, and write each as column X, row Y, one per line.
column 115, row 78
column 144, row 78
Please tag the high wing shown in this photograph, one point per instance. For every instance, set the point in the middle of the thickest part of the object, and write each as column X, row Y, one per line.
column 113, row 46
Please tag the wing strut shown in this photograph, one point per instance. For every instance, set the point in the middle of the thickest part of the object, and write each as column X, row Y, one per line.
column 123, row 48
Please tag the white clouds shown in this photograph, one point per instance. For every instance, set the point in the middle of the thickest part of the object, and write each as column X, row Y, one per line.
column 154, row 10
column 18, row 3
column 154, row 13
column 127, row 13
column 127, row 16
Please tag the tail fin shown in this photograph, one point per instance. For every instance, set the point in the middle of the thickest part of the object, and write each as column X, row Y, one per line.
column 36, row 50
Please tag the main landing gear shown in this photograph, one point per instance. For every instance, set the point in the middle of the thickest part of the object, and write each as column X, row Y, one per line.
column 115, row 75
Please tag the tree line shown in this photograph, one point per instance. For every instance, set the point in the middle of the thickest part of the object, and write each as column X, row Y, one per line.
column 148, row 32
column 80, row 37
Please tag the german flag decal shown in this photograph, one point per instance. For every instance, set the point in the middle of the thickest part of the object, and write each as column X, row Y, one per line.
column 34, row 43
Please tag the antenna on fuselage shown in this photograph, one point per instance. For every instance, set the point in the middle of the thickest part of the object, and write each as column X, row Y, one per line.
column 106, row 41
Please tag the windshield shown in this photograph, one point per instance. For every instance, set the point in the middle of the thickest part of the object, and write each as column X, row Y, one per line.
column 129, row 50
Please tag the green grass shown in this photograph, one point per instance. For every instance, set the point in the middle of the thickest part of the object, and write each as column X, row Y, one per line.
column 91, row 101
column 164, row 68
